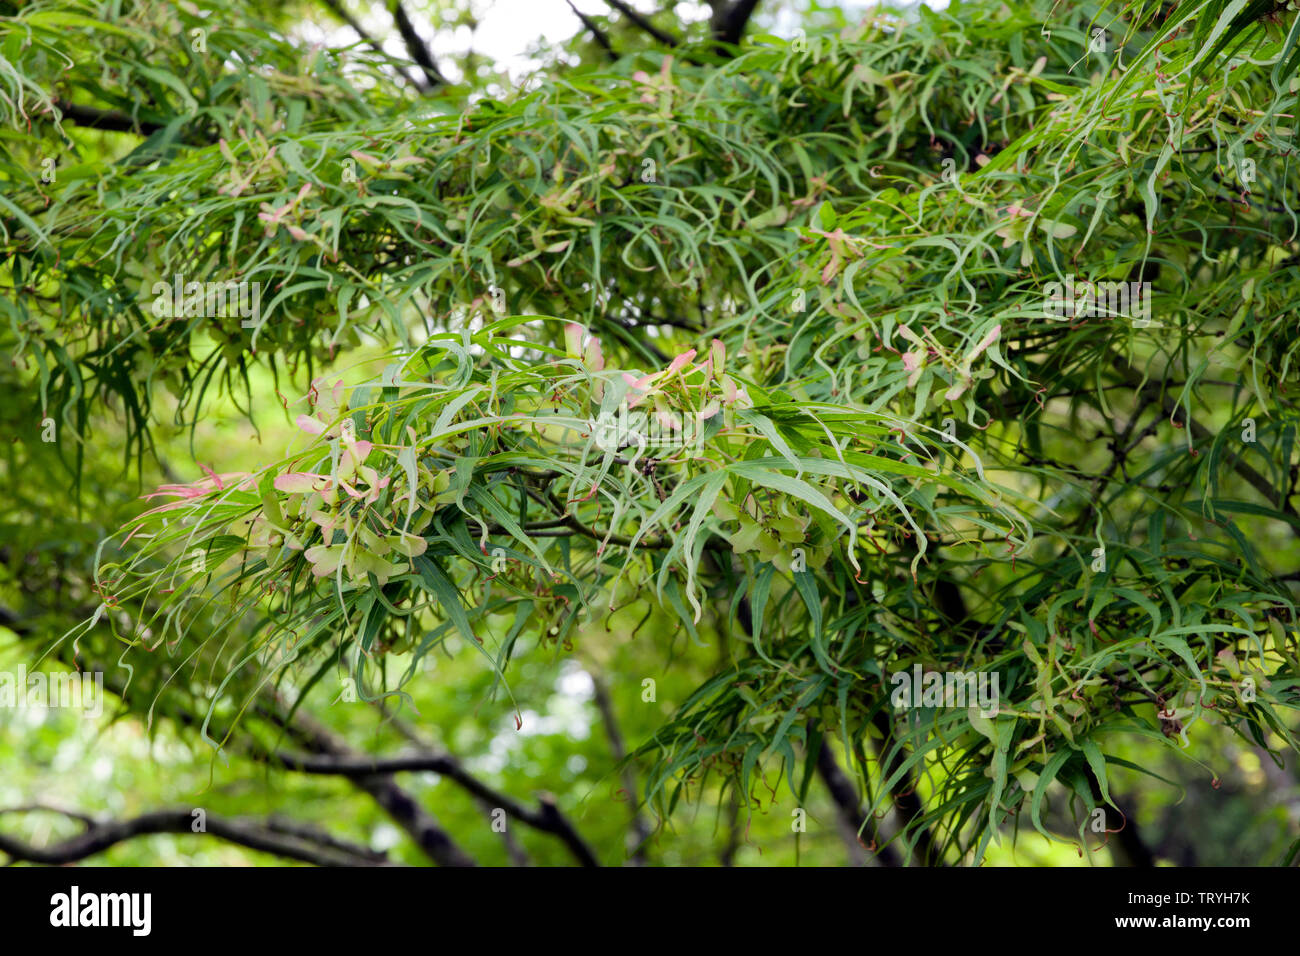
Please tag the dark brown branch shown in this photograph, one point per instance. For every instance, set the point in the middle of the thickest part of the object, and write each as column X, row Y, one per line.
column 663, row 36
column 339, row 11
column 729, row 23
column 1128, row 847
column 416, row 46
column 904, row 791
column 906, row 801
column 314, row 834
column 616, row 539
column 405, row 810
column 601, row 37
column 640, row 830
column 337, row 8
column 401, row 806
column 546, row 818
column 518, row 855
column 102, row 835
column 92, row 117
column 849, row 811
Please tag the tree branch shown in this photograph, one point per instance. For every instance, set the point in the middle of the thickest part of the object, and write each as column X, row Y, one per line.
column 92, row 117
column 1129, row 849
column 904, row 795
column 303, row 844
column 337, row 8
column 849, row 809
column 602, row 38
column 729, row 23
column 416, row 46
column 663, row 36
column 546, row 818
column 405, row 810
column 615, row 736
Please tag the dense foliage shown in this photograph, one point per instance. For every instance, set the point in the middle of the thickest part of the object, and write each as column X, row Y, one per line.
column 963, row 341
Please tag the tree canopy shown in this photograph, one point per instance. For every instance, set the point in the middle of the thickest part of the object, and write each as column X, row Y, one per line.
column 747, row 375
